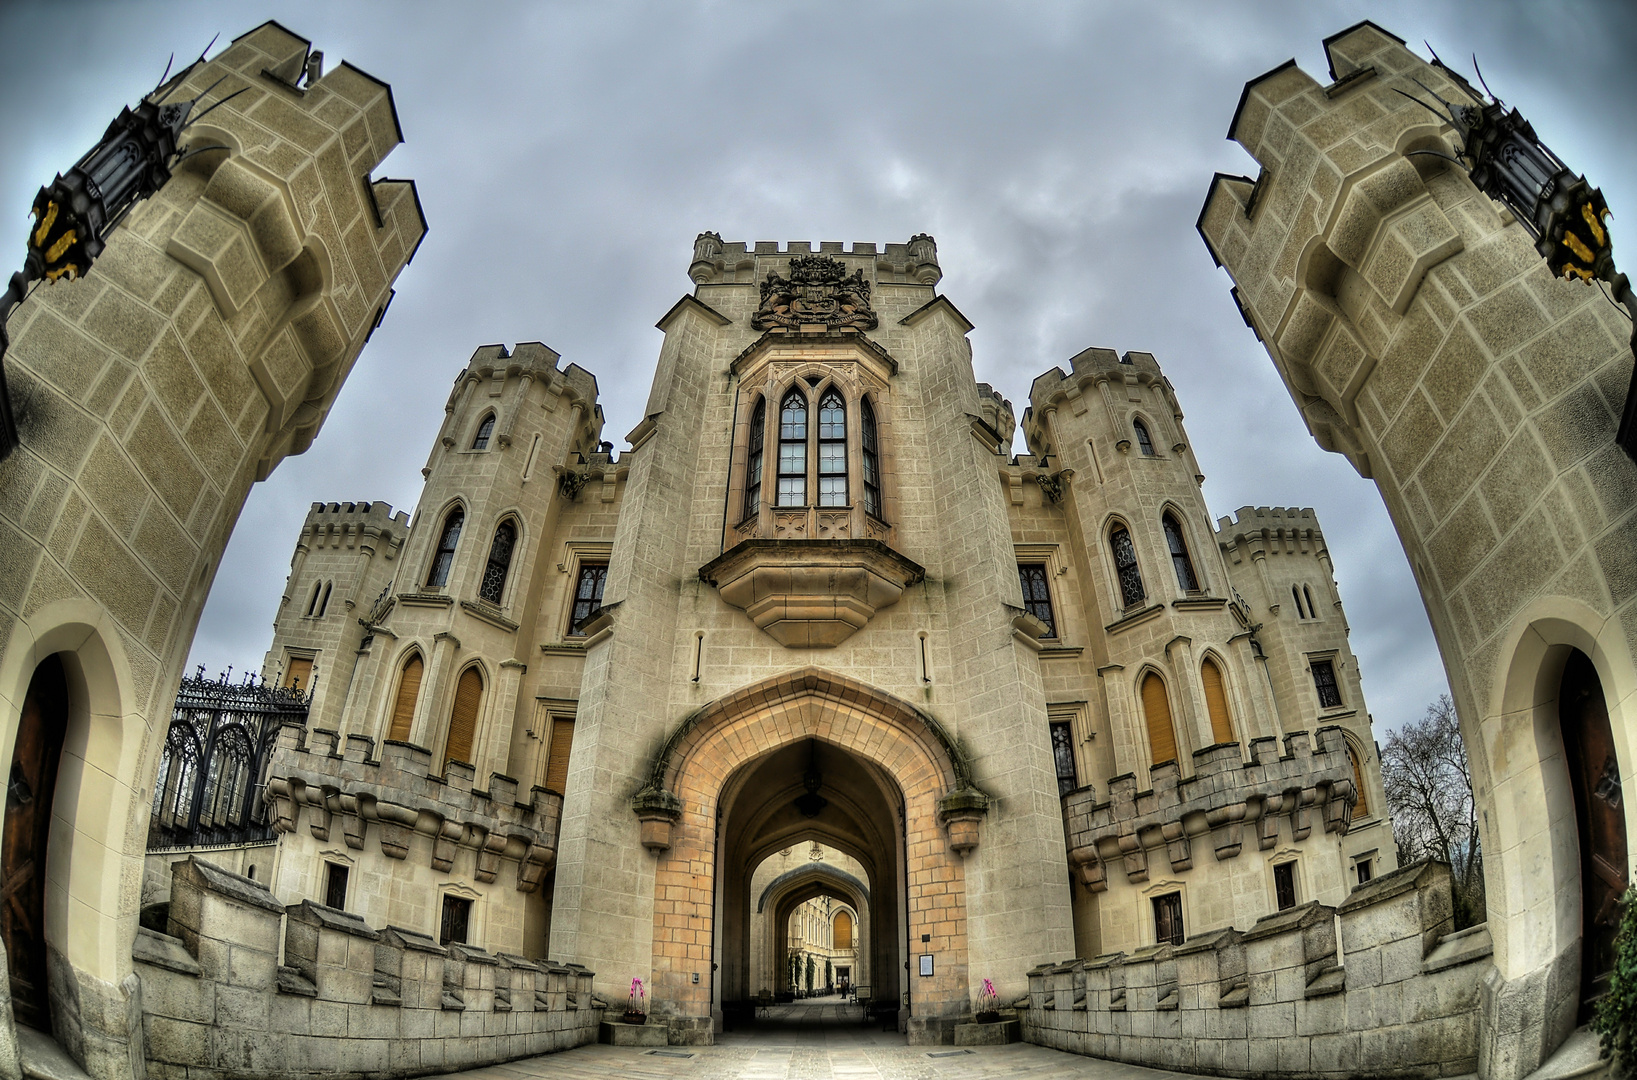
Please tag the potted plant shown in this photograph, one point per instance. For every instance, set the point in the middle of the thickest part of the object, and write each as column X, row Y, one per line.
column 988, row 1005
column 636, row 1004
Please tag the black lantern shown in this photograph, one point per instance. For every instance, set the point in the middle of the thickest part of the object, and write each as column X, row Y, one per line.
column 75, row 214
column 1566, row 216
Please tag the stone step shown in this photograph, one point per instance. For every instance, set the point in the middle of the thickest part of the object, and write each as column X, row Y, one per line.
column 1580, row 1055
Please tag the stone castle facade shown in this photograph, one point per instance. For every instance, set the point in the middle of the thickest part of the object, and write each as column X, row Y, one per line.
column 581, row 716
column 1032, row 706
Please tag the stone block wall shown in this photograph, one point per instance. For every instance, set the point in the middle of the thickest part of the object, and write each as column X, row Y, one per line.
column 1399, row 999
column 349, row 1001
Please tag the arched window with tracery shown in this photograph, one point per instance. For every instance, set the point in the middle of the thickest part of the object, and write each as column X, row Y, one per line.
column 832, row 460
column 227, row 780
column 178, row 776
column 1180, row 562
column 484, row 431
column 1144, row 442
column 1216, row 701
column 463, row 717
column 1156, row 707
column 754, row 459
column 872, row 461
column 444, row 558
column 1125, row 566
column 793, row 450
column 500, row 561
column 403, row 704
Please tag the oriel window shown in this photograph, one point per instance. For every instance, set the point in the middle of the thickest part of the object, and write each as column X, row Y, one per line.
column 1063, row 756
column 445, row 557
column 1324, row 681
column 1125, row 566
column 872, row 462
column 754, row 460
column 832, row 450
column 500, row 561
column 793, row 450
column 1037, row 594
column 588, row 596
column 1179, row 555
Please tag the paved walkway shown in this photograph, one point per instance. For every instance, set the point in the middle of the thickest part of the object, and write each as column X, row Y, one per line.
column 816, row 1039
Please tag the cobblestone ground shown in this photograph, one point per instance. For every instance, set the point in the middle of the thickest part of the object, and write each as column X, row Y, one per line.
column 819, row 1039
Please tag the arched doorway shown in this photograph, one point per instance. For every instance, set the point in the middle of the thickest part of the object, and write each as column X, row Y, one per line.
column 30, row 786
column 810, row 755
column 1594, row 776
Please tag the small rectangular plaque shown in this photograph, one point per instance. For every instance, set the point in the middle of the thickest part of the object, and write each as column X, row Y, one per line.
column 926, row 963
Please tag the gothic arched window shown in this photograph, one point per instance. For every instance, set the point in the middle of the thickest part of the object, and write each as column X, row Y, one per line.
column 753, row 460
column 832, row 450
column 1362, row 807
column 1125, row 566
column 178, row 776
column 500, row 560
column 872, row 463
column 1156, row 707
column 227, row 780
column 1216, row 701
column 484, row 431
column 445, row 557
column 1309, row 594
column 1144, row 443
column 463, row 717
column 793, row 450
column 324, row 602
column 409, row 690
column 1179, row 555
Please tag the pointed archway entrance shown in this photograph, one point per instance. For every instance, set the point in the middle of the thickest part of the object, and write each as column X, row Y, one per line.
column 29, row 788
column 812, row 756
column 1594, row 776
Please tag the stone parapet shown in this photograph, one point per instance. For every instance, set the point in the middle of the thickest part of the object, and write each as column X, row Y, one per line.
column 1277, row 1001
column 350, row 1001
column 345, row 789
column 1223, row 797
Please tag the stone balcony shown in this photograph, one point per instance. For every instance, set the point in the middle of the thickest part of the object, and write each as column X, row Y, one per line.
column 1225, row 796
column 338, row 785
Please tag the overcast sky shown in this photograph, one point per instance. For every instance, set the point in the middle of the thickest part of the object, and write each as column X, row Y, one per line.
column 567, row 154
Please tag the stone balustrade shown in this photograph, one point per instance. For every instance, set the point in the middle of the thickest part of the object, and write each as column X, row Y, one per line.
column 350, row 1001
column 1399, row 999
column 1223, row 797
column 337, row 784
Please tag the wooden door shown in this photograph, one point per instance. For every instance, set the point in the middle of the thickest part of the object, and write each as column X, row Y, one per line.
column 33, row 779
column 1594, row 772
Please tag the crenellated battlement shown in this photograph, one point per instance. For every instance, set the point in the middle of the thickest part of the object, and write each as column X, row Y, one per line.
column 717, row 262
column 330, row 780
column 1270, row 530
column 1224, row 795
column 349, row 999
column 1399, row 999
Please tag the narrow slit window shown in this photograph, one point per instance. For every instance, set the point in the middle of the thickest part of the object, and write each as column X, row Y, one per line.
column 1168, row 919
column 312, row 603
column 754, row 460
column 1037, row 594
column 832, row 450
column 1361, row 809
column 1324, row 681
column 588, row 596
column 793, row 450
column 324, row 601
column 1144, row 442
column 484, row 431
column 1296, row 598
column 1284, row 885
column 1187, row 581
column 1063, row 756
column 500, row 561
column 1125, row 566
column 1312, row 612
column 445, row 557
column 872, row 461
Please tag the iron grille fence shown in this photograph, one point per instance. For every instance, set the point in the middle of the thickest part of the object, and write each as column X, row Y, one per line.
column 213, row 772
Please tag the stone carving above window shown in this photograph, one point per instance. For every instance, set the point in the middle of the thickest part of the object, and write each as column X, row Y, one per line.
column 818, row 292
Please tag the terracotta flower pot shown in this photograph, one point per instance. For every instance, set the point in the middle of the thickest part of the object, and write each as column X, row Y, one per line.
column 634, row 1018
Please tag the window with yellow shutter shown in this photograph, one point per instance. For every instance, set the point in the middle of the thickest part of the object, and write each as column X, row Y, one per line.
column 463, row 717
column 409, row 691
column 1216, row 702
column 300, row 673
column 562, row 741
column 1156, row 707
